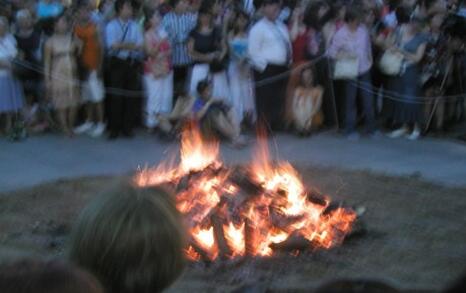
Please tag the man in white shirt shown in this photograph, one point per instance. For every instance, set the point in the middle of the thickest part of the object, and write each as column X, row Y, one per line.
column 270, row 53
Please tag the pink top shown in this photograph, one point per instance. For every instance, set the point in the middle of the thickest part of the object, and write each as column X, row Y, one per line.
column 356, row 44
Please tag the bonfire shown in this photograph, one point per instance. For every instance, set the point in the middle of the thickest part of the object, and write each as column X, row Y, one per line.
column 253, row 210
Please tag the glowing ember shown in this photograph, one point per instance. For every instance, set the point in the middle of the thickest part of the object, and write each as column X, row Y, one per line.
column 251, row 211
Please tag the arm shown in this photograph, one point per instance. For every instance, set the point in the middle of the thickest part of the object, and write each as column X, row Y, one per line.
column 335, row 46
column 78, row 45
column 255, row 41
column 223, row 46
column 133, row 44
column 100, row 42
column 416, row 57
column 296, row 94
column 47, row 63
column 318, row 100
column 328, row 32
column 111, row 40
column 201, row 113
column 294, row 29
column 149, row 49
column 11, row 52
column 139, row 43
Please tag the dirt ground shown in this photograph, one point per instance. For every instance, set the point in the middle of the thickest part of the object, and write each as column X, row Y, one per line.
column 416, row 235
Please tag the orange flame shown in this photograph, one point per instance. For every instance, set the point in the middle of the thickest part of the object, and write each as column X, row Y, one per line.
column 251, row 223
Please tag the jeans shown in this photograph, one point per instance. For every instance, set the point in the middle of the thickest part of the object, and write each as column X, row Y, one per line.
column 364, row 83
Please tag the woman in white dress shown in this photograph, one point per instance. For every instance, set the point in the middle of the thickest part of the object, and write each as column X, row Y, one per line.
column 158, row 73
column 239, row 71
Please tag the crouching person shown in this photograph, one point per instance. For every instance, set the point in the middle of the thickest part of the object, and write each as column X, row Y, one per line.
column 215, row 117
column 131, row 238
column 307, row 100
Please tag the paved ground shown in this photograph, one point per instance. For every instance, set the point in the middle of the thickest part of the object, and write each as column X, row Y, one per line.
column 50, row 157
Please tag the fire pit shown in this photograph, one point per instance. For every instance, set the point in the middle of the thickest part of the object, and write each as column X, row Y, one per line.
column 254, row 210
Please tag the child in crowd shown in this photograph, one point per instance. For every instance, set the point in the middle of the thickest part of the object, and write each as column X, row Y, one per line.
column 307, row 100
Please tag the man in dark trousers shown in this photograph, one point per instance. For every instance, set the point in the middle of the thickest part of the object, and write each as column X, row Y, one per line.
column 270, row 53
column 124, row 41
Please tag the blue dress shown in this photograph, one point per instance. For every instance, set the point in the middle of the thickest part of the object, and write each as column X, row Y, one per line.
column 408, row 87
column 11, row 98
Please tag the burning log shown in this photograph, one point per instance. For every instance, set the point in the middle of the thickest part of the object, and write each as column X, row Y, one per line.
column 217, row 223
column 241, row 177
column 249, row 232
column 332, row 207
column 316, row 198
column 294, row 242
column 282, row 221
column 204, row 255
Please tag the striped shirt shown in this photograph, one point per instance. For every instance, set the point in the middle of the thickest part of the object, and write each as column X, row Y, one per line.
column 178, row 27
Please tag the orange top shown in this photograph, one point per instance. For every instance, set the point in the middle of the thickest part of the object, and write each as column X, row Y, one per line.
column 91, row 51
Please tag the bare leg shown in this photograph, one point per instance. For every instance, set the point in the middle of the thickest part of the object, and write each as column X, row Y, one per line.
column 440, row 114
column 71, row 117
column 62, row 120
column 225, row 127
column 99, row 112
column 89, row 117
column 234, row 123
column 8, row 122
column 164, row 124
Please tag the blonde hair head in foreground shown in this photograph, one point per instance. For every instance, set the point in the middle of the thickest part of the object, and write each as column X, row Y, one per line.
column 131, row 238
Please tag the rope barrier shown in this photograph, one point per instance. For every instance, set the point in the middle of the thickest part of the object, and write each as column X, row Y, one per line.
column 387, row 94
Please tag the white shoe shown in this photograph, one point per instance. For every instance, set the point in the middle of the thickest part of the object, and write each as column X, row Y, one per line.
column 83, row 128
column 414, row 135
column 98, row 130
column 397, row 133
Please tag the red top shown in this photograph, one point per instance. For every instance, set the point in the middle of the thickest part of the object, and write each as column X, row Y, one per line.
column 300, row 47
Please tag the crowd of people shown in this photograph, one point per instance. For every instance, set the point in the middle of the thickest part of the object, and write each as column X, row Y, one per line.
column 90, row 67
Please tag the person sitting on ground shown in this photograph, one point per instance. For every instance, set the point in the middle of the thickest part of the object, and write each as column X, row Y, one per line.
column 40, row 276
column 215, row 116
column 171, row 124
column 131, row 238
column 306, row 104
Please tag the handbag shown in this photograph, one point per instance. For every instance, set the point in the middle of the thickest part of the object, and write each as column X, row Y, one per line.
column 346, row 68
column 391, row 63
